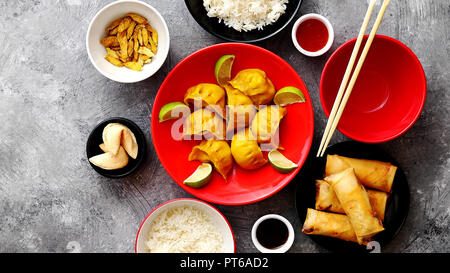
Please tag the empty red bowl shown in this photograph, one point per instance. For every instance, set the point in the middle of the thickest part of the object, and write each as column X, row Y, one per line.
column 388, row 95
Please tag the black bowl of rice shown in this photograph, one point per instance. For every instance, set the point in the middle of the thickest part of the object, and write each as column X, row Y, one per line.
column 243, row 20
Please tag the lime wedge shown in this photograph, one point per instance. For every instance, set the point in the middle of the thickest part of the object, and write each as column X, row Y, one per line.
column 280, row 162
column 222, row 70
column 200, row 177
column 173, row 110
column 288, row 95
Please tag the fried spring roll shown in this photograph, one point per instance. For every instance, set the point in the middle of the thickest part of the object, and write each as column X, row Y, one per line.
column 356, row 204
column 371, row 173
column 327, row 200
column 329, row 224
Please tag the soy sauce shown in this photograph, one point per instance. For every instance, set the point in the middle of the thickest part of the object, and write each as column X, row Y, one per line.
column 272, row 233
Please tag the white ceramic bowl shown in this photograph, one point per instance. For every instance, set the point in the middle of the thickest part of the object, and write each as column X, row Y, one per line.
column 283, row 248
column 216, row 218
column 96, row 32
column 330, row 34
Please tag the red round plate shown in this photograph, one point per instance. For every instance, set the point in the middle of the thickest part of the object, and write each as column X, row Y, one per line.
column 243, row 186
column 388, row 95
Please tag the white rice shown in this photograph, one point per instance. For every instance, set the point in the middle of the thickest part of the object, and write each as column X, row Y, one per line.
column 184, row 230
column 246, row 15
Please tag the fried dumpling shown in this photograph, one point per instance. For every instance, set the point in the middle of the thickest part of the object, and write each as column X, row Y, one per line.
column 236, row 97
column 240, row 109
column 217, row 152
column 266, row 122
column 246, row 152
column 209, row 95
column 255, row 84
column 204, row 122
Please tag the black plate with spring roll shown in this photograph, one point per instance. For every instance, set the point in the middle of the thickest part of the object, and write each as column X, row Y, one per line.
column 396, row 208
column 219, row 29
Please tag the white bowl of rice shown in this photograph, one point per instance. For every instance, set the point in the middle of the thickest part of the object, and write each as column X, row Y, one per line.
column 185, row 225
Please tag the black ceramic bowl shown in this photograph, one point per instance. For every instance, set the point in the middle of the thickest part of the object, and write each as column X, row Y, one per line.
column 396, row 209
column 95, row 139
column 212, row 25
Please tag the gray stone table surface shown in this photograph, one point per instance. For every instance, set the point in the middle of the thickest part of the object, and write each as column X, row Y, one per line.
column 51, row 97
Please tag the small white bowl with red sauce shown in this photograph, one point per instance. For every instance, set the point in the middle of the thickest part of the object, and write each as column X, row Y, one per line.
column 312, row 34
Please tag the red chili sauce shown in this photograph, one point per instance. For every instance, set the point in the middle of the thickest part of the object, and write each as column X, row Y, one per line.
column 312, row 35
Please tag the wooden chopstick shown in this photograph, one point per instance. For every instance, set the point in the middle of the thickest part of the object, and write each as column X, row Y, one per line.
column 347, row 74
column 360, row 63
